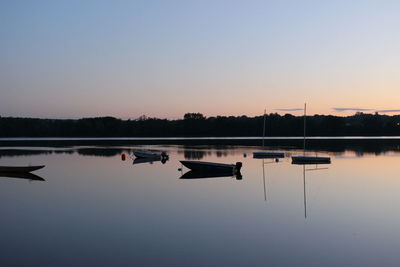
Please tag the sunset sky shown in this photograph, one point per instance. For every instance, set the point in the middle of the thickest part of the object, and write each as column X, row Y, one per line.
column 72, row 59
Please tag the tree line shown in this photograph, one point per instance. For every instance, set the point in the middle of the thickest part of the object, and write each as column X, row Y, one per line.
column 198, row 125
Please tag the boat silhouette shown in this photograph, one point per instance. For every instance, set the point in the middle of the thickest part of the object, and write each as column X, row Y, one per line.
column 20, row 169
column 308, row 159
column 267, row 154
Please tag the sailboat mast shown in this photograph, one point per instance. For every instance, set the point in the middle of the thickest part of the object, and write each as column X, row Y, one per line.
column 264, row 129
column 304, row 136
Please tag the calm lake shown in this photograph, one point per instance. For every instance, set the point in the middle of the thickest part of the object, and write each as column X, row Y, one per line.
column 94, row 209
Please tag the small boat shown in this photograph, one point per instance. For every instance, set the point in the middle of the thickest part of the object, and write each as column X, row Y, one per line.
column 153, row 155
column 19, row 169
column 308, row 159
column 301, row 160
column 268, row 155
column 203, row 166
column 199, row 175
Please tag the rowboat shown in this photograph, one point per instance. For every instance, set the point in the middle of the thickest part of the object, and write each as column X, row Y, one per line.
column 153, row 155
column 19, row 169
column 203, row 166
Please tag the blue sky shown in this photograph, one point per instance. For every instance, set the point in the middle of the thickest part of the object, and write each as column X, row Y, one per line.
column 70, row 59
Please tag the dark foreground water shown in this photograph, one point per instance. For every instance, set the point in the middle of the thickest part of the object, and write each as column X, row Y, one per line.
column 93, row 209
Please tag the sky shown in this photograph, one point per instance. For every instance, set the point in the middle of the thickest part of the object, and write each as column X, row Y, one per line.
column 73, row 59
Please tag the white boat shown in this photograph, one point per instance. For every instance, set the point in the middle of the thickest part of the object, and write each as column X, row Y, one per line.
column 308, row 159
column 267, row 154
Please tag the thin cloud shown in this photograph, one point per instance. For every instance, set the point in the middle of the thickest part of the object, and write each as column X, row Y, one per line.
column 388, row 110
column 288, row 109
column 351, row 109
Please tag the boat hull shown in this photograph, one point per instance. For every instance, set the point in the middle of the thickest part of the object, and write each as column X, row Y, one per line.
column 310, row 160
column 19, row 169
column 199, row 175
column 268, row 155
column 203, row 166
column 142, row 154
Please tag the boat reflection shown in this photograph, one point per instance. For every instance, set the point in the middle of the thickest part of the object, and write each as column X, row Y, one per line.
column 201, row 175
column 265, row 162
column 149, row 160
column 27, row 176
column 304, row 181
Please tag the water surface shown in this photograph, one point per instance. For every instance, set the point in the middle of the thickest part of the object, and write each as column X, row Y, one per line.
column 93, row 209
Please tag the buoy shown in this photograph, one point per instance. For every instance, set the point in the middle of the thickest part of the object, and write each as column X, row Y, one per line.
column 123, row 156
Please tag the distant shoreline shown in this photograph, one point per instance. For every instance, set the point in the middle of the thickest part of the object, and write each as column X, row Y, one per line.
column 199, row 138
column 195, row 126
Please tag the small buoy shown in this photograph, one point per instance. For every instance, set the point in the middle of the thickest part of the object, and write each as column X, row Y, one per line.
column 123, row 156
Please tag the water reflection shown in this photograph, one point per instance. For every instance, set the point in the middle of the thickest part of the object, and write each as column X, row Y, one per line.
column 200, row 175
column 28, row 176
column 316, row 168
column 264, row 173
column 197, row 153
column 149, row 160
column 194, row 154
column 130, row 212
column 23, row 152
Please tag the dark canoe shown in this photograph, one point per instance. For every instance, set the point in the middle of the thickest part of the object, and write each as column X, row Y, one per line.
column 310, row 160
column 268, row 155
column 203, row 166
column 19, row 169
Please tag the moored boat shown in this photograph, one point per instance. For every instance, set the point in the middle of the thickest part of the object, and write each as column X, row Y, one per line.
column 147, row 154
column 310, row 160
column 268, row 155
column 19, row 169
column 203, row 166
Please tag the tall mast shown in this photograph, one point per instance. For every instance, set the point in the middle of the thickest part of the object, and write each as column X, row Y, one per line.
column 304, row 138
column 264, row 129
